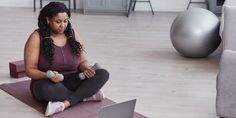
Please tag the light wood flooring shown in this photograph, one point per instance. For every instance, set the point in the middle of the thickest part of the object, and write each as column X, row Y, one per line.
column 139, row 55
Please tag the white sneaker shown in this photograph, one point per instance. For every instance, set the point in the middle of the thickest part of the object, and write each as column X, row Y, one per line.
column 99, row 96
column 54, row 107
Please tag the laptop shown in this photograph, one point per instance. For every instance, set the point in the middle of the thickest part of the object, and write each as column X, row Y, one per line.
column 118, row 110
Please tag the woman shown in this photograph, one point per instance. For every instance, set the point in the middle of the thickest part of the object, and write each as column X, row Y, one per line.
column 56, row 46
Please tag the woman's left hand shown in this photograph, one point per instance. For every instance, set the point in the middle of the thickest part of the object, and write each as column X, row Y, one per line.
column 89, row 73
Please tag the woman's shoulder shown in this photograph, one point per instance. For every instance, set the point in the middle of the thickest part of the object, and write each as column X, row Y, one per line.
column 34, row 37
column 77, row 37
column 35, row 33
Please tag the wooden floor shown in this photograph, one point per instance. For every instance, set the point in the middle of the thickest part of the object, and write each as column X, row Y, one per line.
column 139, row 55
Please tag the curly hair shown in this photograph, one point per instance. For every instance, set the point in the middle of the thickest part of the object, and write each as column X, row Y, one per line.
column 50, row 10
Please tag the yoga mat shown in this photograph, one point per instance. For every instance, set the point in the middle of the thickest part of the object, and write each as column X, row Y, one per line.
column 21, row 91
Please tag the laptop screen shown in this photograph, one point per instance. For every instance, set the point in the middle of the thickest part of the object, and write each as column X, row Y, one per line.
column 118, row 110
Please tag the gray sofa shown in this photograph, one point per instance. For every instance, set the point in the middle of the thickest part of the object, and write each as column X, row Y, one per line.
column 226, row 79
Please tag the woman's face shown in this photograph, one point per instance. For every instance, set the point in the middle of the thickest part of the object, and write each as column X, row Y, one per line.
column 58, row 23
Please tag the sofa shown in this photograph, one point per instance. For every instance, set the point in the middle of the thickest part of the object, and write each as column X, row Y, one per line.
column 226, row 79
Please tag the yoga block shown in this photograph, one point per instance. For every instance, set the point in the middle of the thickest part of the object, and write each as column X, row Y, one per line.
column 17, row 69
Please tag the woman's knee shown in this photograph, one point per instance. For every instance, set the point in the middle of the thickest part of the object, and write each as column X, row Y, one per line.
column 49, row 91
column 103, row 74
column 41, row 87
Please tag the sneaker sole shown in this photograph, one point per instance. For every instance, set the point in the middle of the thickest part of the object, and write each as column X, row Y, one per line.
column 47, row 109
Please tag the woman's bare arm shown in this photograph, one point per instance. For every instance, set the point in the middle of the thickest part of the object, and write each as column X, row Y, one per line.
column 84, row 63
column 31, row 57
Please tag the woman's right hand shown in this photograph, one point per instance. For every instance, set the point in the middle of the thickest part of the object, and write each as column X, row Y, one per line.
column 56, row 78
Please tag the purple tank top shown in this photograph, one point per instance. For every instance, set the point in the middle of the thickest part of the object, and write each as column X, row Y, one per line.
column 64, row 61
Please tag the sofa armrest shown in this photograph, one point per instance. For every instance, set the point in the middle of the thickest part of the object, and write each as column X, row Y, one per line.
column 226, row 85
column 228, row 26
column 226, row 3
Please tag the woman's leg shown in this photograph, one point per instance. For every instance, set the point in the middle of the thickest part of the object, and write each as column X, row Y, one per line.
column 45, row 90
column 85, row 88
column 81, row 90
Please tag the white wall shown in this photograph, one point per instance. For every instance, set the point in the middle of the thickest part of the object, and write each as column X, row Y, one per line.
column 164, row 5
column 158, row 5
column 30, row 3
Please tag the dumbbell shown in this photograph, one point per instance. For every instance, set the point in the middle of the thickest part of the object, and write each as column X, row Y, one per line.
column 95, row 67
column 50, row 74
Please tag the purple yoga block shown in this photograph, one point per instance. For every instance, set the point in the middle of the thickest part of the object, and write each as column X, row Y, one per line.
column 17, row 69
column 17, row 74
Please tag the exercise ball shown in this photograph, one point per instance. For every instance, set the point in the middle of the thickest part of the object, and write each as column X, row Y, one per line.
column 195, row 33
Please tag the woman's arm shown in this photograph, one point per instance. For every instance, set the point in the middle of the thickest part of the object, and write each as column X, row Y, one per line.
column 31, row 57
column 84, row 64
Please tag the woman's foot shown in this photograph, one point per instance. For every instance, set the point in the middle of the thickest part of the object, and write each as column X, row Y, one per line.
column 99, row 96
column 54, row 107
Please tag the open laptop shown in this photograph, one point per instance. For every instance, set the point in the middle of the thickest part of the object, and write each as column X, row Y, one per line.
column 118, row 110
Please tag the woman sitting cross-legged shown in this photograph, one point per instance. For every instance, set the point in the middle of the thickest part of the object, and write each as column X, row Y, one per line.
column 56, row 46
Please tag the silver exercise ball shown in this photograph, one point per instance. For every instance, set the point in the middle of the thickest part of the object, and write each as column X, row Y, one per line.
column 195, row 33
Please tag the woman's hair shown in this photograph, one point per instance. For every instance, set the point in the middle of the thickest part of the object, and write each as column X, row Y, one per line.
column 50, row 10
